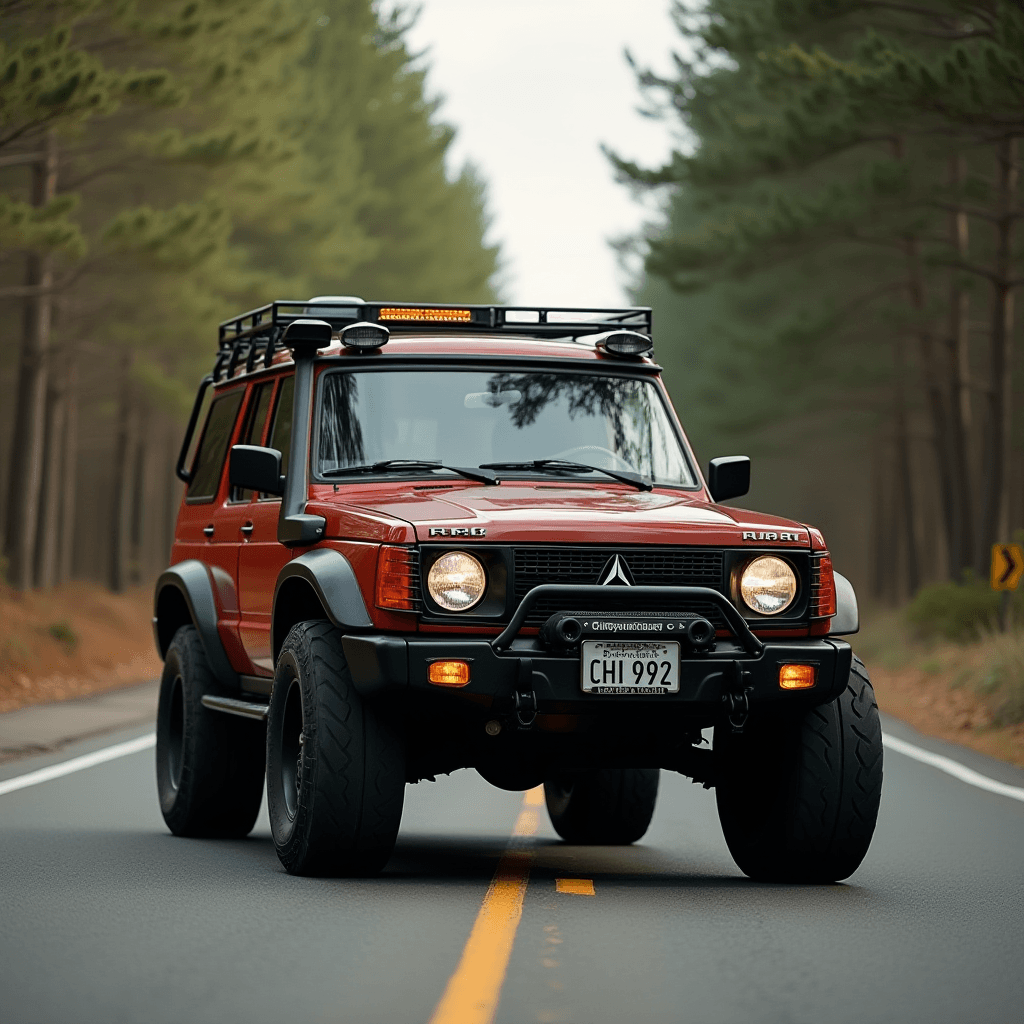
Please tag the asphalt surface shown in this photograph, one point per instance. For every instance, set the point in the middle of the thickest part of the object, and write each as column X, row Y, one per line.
column 105, row 917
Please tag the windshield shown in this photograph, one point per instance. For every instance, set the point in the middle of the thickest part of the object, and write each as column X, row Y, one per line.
column 471, row 418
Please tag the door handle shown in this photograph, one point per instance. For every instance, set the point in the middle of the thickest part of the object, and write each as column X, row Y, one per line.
column 208, row 530
column 247, row 529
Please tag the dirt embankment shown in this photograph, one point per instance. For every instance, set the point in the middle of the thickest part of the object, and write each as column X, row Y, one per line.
column 966, row 693
column 73, row 641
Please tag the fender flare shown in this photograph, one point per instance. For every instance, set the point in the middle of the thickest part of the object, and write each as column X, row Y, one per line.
column 192, row 581
column 333, row 580
column 847, row 617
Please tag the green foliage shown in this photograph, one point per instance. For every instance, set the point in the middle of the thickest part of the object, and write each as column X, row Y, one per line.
column 64, row 633
column 960, row 612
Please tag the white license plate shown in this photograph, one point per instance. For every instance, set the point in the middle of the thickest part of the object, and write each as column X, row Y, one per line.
column 617, row 666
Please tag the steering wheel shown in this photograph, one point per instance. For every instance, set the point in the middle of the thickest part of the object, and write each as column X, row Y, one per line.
column 595, row 455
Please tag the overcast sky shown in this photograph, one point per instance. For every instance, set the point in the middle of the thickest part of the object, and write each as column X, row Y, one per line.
column 534, row 87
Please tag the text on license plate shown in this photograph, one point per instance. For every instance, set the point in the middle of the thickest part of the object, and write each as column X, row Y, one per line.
column 621, row 667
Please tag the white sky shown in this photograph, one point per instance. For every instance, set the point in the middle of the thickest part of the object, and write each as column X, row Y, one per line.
column 534, row 87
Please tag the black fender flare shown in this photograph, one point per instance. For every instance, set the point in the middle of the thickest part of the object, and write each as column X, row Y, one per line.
column 191, row 580
column 331, row 576
column 847, row 617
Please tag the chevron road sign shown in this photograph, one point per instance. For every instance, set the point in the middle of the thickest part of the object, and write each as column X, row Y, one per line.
column 1007, row 566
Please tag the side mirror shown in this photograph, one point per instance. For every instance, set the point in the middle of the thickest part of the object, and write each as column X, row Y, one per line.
column 729, row 477
column 256, row 469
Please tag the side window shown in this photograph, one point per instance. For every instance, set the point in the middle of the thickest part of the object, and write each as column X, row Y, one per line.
column 213, row 447
column 255, row 421
column 281, row 431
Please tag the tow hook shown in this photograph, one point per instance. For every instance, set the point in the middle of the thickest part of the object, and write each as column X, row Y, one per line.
column 525, row 699
column 737, row 698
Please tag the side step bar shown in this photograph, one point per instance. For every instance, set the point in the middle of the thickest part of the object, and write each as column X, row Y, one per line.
column 244, row 708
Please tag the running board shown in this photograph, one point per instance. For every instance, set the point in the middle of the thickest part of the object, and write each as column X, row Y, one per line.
column 244, row 708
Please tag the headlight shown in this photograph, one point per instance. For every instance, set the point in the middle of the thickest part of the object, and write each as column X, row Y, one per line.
column 768, row 585
column 456, row 581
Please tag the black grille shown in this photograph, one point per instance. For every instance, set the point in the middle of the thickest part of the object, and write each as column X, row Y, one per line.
column 652, row 567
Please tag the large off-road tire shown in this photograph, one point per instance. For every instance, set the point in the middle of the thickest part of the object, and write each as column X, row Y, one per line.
column 335, row 764
column 798, row 798
column 606, row 807
column 209, row 765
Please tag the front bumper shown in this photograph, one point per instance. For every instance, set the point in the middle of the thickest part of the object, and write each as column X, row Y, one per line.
column 397, row 666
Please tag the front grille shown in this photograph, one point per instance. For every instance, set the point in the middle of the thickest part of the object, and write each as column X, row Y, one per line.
column 651, row 567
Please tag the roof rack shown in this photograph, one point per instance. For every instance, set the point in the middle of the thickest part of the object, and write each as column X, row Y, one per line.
column 255, row 336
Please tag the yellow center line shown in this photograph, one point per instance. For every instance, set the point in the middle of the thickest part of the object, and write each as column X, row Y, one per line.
column 576, row 886
column 472, row 994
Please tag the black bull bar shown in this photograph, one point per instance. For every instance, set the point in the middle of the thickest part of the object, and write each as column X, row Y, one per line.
column 634, row 596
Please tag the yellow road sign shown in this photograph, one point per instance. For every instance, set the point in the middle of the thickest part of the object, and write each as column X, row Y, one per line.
column 1007, row 566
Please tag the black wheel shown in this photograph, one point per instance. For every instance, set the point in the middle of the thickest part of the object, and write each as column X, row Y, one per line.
column 209, row 766
column 335, row 765
column 606, row 807
column 798, row 798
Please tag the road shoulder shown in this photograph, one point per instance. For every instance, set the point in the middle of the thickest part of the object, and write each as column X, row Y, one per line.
column 50, row 728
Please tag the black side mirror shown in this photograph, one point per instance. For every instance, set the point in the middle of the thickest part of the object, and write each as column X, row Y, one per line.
column 729, row 477
column 256, row 469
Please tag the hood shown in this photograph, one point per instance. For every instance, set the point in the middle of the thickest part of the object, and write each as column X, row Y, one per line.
column 567, row 513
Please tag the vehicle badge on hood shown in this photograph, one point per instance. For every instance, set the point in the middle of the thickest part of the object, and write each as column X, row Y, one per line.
column 615, row 573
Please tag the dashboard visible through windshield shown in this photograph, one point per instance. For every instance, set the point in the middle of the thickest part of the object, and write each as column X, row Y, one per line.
column 473, row 418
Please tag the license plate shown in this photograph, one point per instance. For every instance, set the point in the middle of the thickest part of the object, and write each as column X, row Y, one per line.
column 611, row 666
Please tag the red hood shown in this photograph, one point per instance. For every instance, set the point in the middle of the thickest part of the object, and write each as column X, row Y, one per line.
column 568, row 513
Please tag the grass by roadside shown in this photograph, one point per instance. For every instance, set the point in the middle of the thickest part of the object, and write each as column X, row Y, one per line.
column 73, row 641
column 969, row 692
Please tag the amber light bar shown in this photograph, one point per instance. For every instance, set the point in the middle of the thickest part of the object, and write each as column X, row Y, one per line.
column 397, row 579
column 823, row 587
column 433, row 315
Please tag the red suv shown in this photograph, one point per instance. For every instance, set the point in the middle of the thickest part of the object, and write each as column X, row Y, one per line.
column 422, row 538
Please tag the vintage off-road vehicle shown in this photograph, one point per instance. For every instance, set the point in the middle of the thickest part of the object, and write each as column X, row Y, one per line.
column 421, row 538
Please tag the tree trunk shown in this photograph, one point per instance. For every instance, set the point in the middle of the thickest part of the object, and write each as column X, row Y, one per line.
column 27, row 439
column 994, row 522
column 121, row 490
column 935, row 403
column 50, row 513
column 959, row 371
column 69, row 459
column 904, row 477
column 881, row 565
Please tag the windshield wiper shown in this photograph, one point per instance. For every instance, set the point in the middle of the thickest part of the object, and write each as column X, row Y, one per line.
column 481, row 475
column 641, row 483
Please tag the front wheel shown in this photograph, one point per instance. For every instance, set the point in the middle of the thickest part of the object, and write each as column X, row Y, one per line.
column 798, row 798
column 335, row 765
column 606, row 807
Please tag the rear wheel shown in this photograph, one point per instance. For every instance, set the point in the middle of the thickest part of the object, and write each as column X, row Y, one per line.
column 798, row 798
column 209, row 765
column 335, row 765
column 606, row 807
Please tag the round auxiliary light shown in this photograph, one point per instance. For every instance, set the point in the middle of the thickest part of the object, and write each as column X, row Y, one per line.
column 624, row 343
column 364, row 335
column 768, row 585
column 456, row 581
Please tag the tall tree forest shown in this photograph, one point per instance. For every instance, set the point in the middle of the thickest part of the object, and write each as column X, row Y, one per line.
column 165, row 164
column 836, row 265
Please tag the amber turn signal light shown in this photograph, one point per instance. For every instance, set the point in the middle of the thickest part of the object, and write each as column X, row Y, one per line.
column 797, row 677
column 448, row 673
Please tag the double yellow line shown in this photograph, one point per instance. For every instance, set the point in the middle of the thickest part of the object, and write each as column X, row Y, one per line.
column 472, row 994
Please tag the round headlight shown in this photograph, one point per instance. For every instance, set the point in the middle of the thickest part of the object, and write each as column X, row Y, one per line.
column 456, row 581
column 768, row 585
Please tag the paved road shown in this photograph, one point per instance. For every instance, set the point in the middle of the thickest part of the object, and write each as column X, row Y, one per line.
column 104, row 917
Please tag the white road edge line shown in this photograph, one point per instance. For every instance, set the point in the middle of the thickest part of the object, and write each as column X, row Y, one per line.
column 954, row 768
column 77, row 764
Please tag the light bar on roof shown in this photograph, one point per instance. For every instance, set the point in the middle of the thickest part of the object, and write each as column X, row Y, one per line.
column 433, row 315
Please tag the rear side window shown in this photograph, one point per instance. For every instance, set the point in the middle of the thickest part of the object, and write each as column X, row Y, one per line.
column 213, row 447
